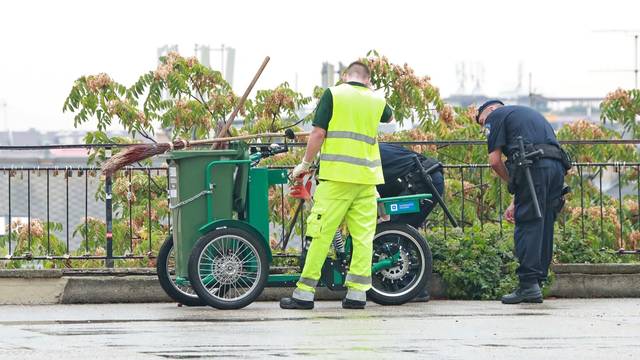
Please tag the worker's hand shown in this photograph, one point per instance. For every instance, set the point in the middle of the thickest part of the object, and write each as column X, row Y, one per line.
column 300, row 169
column 509, row 214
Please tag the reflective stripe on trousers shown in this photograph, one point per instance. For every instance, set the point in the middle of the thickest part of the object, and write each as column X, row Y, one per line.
column 358, row 282
column 357, row 279
column 302, row 295
column 356, row 295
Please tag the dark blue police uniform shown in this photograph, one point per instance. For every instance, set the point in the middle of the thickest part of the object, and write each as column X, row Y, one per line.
column 397, row 163
column 533, row 236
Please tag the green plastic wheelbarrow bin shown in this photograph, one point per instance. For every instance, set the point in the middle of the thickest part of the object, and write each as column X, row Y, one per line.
column 204, row 185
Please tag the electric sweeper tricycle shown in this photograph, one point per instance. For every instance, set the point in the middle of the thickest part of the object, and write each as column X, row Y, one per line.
column 218, row 251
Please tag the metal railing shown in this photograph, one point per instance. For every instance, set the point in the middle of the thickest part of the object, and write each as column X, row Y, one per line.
column 22, row 222
column 34, row 233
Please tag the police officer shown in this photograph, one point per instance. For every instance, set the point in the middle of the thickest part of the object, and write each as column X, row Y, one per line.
column 345, row 129
column 402, row 177
column 533, row 234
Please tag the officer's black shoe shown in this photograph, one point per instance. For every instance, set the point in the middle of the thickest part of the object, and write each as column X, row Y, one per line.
column 293, row 303
column 422, row 297
column 353, row 304
column 529, row 293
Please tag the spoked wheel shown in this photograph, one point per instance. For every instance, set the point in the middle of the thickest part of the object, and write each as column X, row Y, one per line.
column 165, row 268
column 228, row 268
column 412, row 264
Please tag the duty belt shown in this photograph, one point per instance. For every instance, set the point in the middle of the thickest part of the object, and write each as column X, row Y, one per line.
column 549, row 151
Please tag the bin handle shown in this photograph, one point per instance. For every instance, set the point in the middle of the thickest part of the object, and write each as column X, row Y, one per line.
column 208, row 183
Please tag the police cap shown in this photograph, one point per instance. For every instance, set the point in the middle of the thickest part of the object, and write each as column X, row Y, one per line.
column 485, row 105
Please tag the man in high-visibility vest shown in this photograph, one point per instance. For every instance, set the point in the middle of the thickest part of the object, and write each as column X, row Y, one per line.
column 345, row 129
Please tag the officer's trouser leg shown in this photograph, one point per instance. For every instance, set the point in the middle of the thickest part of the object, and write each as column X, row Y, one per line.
column 361, row 222
column 529, row 230
column 552, row 207
column 528, row 243
column 547, row 242
column 331, row 202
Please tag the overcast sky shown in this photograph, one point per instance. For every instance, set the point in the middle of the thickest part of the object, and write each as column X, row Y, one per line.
column 46, row 45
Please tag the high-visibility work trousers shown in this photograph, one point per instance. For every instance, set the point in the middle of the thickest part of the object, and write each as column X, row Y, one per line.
column 334, row 202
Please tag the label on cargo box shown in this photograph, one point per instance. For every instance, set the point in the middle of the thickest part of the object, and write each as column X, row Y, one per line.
column 406, row 206
column 173, row 193
column 402, row 207
column 172, row 171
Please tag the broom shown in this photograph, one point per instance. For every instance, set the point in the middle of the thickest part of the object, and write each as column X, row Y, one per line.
column 138, row 152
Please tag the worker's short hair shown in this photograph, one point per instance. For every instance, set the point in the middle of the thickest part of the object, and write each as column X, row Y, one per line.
column 358, row 68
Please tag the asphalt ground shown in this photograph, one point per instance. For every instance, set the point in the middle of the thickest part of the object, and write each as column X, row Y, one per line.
column 556, row 329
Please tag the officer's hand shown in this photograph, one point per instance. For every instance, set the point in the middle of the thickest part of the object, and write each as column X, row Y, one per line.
column 509, row 214
column 301, row 169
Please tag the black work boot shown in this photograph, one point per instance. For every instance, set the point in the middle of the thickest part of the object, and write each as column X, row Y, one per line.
column 293, row 303
column 528, row 293
column 353, row 304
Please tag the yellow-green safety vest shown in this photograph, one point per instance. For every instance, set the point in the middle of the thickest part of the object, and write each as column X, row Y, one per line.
column 350, row 150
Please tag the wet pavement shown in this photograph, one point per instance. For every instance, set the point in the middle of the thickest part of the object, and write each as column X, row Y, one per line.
column 558, row 329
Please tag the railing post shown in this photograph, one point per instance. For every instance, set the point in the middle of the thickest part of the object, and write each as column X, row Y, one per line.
column 109, row 215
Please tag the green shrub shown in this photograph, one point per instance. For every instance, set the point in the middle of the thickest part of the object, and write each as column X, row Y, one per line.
column 476, row 264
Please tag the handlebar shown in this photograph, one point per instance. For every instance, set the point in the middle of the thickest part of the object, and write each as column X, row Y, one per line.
column 264, row 151
column 433, row 168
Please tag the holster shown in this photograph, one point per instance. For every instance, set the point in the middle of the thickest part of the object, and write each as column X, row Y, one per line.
column 515, row 175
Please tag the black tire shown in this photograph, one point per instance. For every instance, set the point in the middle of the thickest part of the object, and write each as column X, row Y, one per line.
column 183, row 294
column 397, row 285
column 238, row 258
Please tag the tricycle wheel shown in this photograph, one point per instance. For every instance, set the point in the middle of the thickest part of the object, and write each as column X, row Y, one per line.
column 410, row 274
column 165, row 268
column 228, row 268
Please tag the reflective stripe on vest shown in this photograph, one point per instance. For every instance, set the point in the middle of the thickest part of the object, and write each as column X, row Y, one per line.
column 351, row 160
column 350, row 150
column 351, row 135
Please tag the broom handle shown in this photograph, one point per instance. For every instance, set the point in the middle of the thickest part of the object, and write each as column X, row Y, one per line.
column 229, row 122
column 241, row 137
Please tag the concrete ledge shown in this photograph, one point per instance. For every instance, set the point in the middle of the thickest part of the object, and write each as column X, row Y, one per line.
column 596, row 280
column 595, row 286
column 30, row 273
column 598, row 269
column 75, row 286
column 112, row 289
column 31, row 291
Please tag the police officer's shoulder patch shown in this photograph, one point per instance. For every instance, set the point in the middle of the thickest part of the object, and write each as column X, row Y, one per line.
column 487, row 129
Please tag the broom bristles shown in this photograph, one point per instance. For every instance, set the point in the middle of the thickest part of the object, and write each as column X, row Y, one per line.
column 132, row 154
